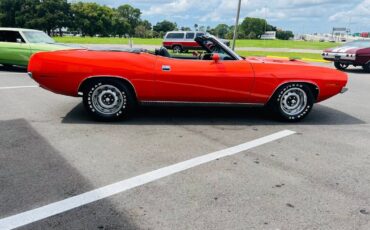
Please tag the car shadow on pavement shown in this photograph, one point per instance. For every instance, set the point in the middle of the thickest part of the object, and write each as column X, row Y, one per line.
column 33, row 174
column 163, row 115
column 16, row 69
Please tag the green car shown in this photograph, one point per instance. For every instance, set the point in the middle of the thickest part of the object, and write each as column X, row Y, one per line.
column 17, row 45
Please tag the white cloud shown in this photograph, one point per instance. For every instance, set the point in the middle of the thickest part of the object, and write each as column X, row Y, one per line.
column 359, row 13
column 170, row 8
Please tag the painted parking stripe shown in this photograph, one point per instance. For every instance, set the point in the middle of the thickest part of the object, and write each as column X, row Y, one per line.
column 52, row 209
column 19, row 87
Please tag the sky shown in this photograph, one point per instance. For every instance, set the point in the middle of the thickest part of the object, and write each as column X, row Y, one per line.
column 300, row 16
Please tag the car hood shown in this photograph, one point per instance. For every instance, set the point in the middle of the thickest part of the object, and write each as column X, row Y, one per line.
column 343, row 49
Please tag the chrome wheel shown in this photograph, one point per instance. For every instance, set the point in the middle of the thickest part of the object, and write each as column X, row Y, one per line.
column 108, row 99
column 293, row 101
column 177, row 49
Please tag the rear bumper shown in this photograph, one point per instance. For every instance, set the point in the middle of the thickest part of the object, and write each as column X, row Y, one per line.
column 339, row 56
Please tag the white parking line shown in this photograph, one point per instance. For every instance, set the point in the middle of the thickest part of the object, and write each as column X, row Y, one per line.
column 19, row 87
column 52, row 209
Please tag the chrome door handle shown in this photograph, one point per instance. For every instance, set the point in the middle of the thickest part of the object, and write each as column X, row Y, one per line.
column 166, row 68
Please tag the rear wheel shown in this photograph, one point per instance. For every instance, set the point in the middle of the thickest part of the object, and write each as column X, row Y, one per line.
column 177, row 49
column 292, row 102
column 108, row 100
column 341, row 66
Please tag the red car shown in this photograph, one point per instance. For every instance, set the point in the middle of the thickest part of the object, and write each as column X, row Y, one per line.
column 355, row 53
column 113, row 82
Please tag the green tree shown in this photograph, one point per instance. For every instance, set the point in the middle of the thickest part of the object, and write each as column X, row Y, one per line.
column 284, row 35
column 27, row 15
column 52, row 15
column 221, row 30
column 144, row 29
column 164, row 26
column 8, row 11
column 146, row 24
column 120, row 25
column 92, row 19
column 140, row 31
column 255, row 25
column 132, row 15
column 47, row 15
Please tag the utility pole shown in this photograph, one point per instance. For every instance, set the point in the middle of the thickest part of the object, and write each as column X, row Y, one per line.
column 236, row 24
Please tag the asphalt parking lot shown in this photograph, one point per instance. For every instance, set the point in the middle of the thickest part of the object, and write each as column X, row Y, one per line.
column 317, row 178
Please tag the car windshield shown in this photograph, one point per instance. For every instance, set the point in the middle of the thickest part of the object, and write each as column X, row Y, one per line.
column 359, row 44
column 224, row 49
column 37, row 37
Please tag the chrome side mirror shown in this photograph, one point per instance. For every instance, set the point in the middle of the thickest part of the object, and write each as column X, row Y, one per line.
column 19, row 40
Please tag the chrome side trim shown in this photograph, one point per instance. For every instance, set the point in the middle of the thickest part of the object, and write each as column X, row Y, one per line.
column 108, row 76
column 191, row 103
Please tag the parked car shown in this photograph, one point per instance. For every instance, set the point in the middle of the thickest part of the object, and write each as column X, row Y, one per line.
column 356, row 53
column 17, row 45
column 112, row 83
column 180, row 41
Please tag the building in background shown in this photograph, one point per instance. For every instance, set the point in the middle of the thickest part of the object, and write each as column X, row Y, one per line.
column 269, row 35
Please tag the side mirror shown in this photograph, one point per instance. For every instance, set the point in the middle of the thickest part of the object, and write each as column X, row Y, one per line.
column 216, row 58
column 19, row 40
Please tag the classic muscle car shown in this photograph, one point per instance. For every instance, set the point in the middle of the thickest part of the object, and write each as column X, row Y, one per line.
column 355, row 53
column 113, row 82
column 17, row 45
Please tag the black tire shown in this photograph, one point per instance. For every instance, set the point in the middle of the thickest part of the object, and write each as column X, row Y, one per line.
column 177, row 49
column 108, row 100
column 292, row 102
column 341, row 66
column 366, row 67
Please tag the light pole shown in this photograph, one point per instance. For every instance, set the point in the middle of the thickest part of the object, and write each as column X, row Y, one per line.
column 236, row 24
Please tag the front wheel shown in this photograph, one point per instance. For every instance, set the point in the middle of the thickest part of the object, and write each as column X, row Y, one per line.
column 341, row 66
column 292, row 102
column 108, row 100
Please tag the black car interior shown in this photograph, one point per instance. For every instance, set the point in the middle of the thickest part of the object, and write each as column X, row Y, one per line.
column 209, row 46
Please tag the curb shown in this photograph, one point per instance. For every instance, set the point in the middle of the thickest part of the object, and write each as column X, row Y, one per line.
column 315, row 60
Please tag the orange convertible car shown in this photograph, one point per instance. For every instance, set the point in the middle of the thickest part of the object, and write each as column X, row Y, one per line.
column 113, row 82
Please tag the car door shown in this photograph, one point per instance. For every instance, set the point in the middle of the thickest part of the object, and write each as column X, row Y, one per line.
column 13, row 48
column 181, row 80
